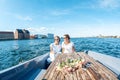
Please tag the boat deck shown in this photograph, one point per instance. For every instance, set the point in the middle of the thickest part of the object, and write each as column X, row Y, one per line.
column 95, row 71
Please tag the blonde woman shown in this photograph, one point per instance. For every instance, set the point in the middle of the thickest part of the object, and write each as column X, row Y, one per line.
column 67, row 45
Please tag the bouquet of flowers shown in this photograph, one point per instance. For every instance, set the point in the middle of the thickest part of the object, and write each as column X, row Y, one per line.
column 70, row 65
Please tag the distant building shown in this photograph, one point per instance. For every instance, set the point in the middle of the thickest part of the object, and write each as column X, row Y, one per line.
column 22, row 34
column 36, row 36
column 33, row 36
column 6, row 35
column 26, row 34
column 42, row 36
column 50, row 35
column 19, row 34
column 103, row 36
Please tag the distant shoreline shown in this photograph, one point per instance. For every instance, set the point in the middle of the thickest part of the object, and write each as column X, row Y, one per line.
column 51, row 38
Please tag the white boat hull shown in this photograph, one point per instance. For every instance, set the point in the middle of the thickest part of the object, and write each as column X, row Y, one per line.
column 24, row 70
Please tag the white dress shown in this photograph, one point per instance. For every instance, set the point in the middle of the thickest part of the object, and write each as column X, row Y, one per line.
column 68, row 47
column 56, row 49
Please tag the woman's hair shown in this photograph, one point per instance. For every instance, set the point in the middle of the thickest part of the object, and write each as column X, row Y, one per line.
column 57, row 37
column 67, row 36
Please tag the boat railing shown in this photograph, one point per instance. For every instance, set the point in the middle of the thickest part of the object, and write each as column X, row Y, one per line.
column 23, row 68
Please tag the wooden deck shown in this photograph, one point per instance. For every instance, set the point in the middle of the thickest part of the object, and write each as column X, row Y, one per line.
column 95, row 71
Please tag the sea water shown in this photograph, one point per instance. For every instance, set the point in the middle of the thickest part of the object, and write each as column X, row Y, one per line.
column 14, row 52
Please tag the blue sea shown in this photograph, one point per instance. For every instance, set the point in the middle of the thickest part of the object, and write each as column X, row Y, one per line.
column 14, row 52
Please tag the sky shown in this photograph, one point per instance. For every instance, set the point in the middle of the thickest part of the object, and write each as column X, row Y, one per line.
column 78, row 18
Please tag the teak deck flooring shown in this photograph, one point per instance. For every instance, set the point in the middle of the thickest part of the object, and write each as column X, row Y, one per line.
column 95, row 71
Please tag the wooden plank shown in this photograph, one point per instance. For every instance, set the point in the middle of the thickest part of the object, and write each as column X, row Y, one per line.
column 101, row 68
column 82, row 74
column 52, row 73
column 55, row 75
column 67, row 77
column 78, row 74
column 95, row 72
column 87, row 75
column 96, row 75
column 59, row 76
column 91, row 76
column 49, row 70
column 99, row 71
column 74, row 76
column 106, row 71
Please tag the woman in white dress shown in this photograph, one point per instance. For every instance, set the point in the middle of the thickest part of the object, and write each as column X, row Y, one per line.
column 67, row 45
column 55, row 48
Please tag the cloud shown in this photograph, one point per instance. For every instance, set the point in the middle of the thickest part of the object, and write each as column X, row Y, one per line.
column 38, row 30
column 97, row 4
column 25, row 18
column 18, row 16
column 109, row 3
column 59, row 12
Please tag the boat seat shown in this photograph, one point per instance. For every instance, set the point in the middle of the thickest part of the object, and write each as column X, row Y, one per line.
column 42, row 72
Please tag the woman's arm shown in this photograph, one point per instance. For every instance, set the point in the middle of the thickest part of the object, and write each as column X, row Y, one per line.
column 63, row 50
column 51, row 50
column 73, row 49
